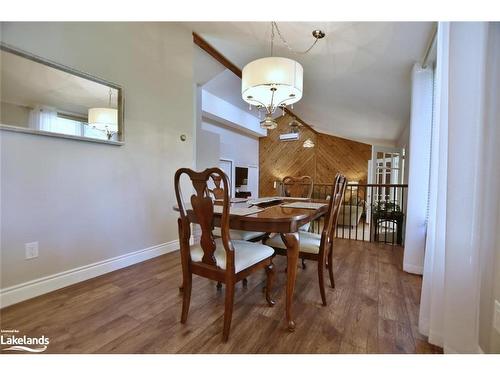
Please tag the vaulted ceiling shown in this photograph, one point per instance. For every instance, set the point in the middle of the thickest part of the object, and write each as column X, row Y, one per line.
column 356, row 80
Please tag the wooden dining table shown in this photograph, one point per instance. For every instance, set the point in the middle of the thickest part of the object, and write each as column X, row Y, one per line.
column 274, row 218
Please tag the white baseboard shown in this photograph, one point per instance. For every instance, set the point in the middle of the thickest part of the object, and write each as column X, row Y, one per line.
column 411, row 268
column 450, row 350
column 37, row 287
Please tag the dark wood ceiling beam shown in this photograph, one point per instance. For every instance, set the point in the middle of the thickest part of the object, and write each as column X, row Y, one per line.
column 208, row 48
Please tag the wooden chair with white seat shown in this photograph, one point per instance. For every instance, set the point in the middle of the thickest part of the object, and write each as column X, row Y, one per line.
column 298, row 187
column 223, row 259
column 319, row 247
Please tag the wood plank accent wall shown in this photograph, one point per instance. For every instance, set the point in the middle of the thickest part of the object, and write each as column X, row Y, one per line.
column 278, row 159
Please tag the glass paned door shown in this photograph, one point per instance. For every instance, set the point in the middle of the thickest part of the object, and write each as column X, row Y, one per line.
column 385, row 168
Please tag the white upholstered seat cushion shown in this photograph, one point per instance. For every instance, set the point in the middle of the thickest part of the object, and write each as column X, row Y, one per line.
column 309, row 242
column 246, row 254
column 244, row 235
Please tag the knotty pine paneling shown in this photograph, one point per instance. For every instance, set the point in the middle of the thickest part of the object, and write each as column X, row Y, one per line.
column 334, row 154
column 331, row 154
column 278, row 159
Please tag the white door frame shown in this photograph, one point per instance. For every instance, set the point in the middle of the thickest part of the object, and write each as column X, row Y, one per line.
column 231, row 177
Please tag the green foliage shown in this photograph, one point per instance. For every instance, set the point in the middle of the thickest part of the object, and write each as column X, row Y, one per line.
column 386, row 206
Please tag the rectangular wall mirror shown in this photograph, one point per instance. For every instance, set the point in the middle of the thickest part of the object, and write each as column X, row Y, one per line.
column 42, row 97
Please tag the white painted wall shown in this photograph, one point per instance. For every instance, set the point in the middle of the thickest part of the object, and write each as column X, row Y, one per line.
column 85, row 202
column 223, row 112
column 242, row 149
column 224, row 131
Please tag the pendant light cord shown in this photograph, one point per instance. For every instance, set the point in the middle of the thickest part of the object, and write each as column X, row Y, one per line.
column 274, row 25
column 272, row 38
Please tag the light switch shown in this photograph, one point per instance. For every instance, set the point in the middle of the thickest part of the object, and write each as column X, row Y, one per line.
column 31, row 250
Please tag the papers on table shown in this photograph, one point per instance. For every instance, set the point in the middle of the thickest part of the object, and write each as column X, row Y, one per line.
column 239, row 211
column 306, row 205
column 264, row 200
column 232, row 200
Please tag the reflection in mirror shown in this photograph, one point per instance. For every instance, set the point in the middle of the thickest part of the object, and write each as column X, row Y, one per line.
column 43, row 98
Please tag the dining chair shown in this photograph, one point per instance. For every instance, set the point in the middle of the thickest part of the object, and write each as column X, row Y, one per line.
column 223, row 259
column 298, row 187
column 218, row 193
column 319, row 247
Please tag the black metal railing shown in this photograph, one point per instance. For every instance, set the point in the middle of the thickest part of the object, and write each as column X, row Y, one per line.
column 370, row 212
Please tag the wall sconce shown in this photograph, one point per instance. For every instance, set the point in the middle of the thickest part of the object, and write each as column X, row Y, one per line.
column 278, row 186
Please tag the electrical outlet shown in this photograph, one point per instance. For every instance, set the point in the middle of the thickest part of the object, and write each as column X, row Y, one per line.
column 31, row 250
column 496, row 316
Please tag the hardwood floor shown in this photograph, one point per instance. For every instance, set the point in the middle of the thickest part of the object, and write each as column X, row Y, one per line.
column 373, row 309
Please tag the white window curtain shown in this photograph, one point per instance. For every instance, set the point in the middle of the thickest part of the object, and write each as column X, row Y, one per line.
column 419, row 159
column 43, row 118
column 464, row 182
column 431, row 307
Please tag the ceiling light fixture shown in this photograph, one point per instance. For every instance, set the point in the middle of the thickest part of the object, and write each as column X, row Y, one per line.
column 308, row 143
column 274, row 82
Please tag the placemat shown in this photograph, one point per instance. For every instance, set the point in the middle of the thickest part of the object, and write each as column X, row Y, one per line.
column 239, row 211
column 306, row 205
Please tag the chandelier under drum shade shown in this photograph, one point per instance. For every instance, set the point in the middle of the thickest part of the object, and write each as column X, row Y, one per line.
column 274, row 82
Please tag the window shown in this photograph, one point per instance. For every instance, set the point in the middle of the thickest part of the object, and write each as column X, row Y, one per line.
column 71, row 125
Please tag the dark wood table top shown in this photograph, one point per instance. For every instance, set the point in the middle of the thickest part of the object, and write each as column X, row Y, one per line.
column 273, row 218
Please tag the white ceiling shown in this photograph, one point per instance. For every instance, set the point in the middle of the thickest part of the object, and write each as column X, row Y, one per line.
column 356, row 80
column 29, row 83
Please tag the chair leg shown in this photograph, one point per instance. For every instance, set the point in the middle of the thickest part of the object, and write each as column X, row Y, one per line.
column 330, row 267
column 321, row 280
column 244, row 282
column 228, row 309
column 303, row 264
column 186, row 297
column 219, row 285
column 269, row 284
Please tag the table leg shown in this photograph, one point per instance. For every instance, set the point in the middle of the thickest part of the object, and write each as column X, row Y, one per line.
column 291, row 241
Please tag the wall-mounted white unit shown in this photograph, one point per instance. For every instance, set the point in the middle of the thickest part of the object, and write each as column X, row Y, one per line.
column 289, row 137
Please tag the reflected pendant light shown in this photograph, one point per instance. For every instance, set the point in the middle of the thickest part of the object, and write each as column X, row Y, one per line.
column 104, row 119
column 274, row 82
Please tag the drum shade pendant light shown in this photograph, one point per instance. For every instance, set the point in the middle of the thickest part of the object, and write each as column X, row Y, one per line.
column 274, row 82
column 104, row 119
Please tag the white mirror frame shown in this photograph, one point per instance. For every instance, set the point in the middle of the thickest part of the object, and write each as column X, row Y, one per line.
column 64, row 68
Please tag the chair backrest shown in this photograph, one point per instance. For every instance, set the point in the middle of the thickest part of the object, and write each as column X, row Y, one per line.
column 202, row 213
column 336, row 199
column 298, row 187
